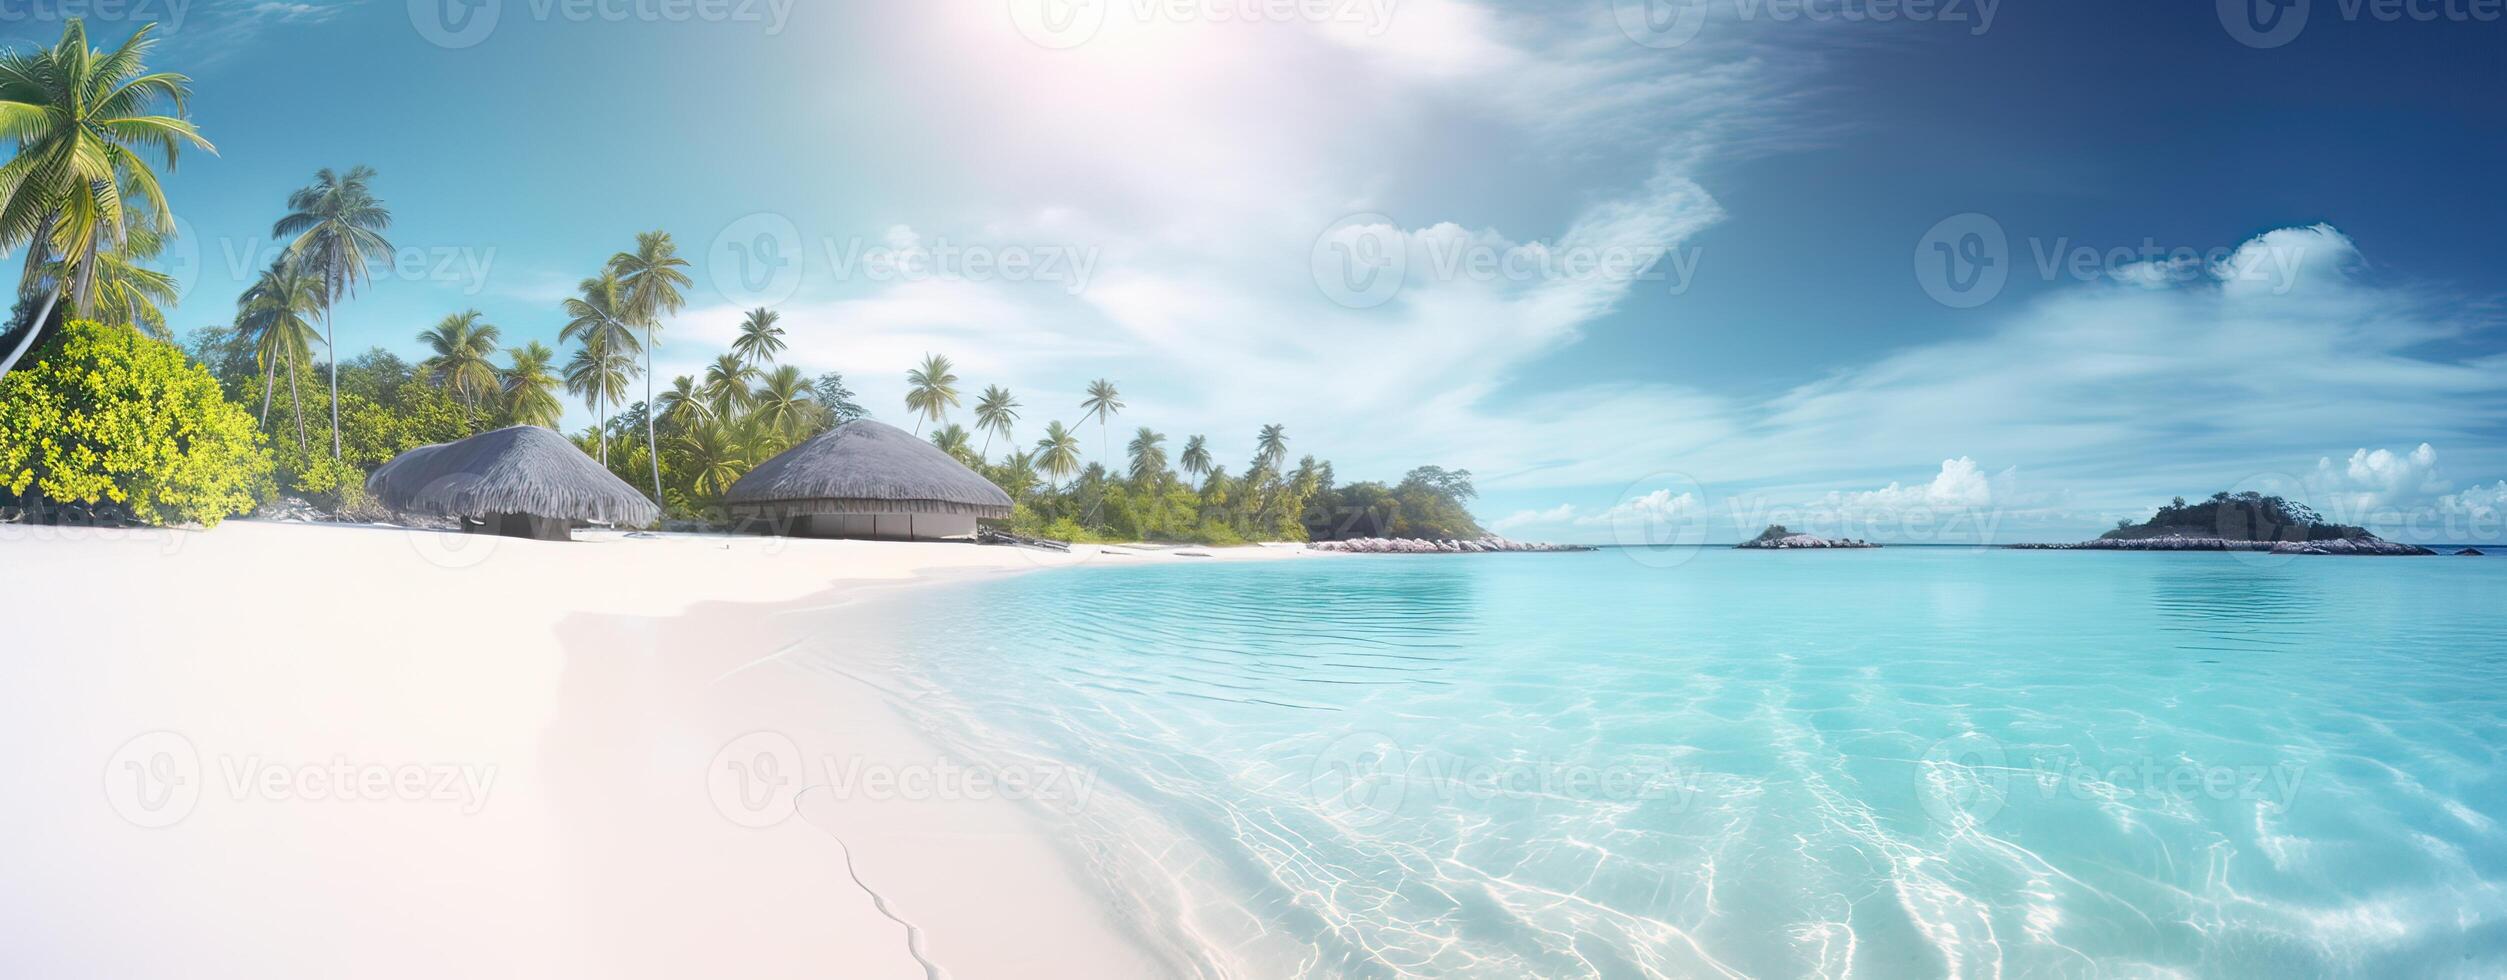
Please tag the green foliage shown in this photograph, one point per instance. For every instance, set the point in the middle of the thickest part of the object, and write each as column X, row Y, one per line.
column 1429, row 503
column 107, row 415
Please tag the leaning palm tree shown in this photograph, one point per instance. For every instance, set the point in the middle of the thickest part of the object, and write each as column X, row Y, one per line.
column 995, row 413
column 652, row 274
column 334, row 227
column 81, row 119
column 530, row 390
column 598, row 374
column 760, row 339
column 1196, row 457
column 1057, row 454
column 931, row 390
column 726, row 387
column 1271, row 447
column 954, row 440
column 1103, row 402
column 1148, row 451
column 460, row 347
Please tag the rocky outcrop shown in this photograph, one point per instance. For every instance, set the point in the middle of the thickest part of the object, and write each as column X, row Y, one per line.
column 2362, row 544
column 1777, row 538
column 1491, row 544
column 2474, row 552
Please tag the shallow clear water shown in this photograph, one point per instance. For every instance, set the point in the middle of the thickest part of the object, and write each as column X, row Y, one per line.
column 1911, row 762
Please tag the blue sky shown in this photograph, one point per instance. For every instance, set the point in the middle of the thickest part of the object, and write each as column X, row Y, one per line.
column 1408, row 229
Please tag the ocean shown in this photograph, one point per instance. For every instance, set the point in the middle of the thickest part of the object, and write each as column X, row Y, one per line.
column 1911, row 762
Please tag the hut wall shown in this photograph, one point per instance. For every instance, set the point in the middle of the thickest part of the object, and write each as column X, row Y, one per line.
column 885, row 527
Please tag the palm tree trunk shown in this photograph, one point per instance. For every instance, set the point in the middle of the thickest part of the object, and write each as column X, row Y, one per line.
column 269, row 380
column 34, row 328
column 652, row 450
column 296, row 405
column 331, row 346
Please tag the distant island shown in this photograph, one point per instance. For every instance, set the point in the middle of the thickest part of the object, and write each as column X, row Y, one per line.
column 1777, row 537
column 2240, row 522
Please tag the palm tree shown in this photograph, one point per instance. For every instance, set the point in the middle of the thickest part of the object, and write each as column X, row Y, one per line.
column 682, row 404
column 462, row 345
column 277, row 312
column 786, row 405
column 653, row 274
column 596, row 319
column 995, row 413
column 335, row 228
column 126, row 293
column 1196, row 458
column 1148, row 451
column 931, row 390
column 1016, row 475
column 1103, row 402
column 726, row 387
column 1271, row 447
column 598, row 374
column 712, row 458
column 953, row 439
column 1057, row 454
column 530, row 390
column 760, row 339
column 81, row 118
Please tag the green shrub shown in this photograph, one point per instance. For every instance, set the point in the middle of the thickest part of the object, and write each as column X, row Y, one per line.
column 109, row 416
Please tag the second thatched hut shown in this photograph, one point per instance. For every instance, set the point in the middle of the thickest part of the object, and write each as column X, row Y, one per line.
column 867, row 479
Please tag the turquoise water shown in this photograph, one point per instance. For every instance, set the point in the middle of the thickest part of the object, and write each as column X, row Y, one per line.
column 1904, row 763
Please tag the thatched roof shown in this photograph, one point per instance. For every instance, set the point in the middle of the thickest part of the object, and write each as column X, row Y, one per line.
column 522, row 470
column 866, row 467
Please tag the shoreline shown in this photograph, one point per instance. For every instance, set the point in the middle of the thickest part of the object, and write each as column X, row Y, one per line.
column 602, row 702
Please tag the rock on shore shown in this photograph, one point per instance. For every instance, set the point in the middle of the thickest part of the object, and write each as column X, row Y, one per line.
column 2364, row 544
column 1491, row 544
column 1776, row 537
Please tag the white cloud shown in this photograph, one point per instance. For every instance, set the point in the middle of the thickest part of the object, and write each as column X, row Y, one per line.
column 1560, row 514
column 1656, row 508
column 1961, row 484
column 2375, row 479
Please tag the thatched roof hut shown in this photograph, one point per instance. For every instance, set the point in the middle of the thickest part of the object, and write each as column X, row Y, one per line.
column 866, row 479
column 524, row 481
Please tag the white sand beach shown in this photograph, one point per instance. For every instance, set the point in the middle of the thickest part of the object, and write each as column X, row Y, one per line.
column 469, row 756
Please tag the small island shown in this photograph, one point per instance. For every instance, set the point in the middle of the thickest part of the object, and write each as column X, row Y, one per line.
column 1777, row 537
column 2240, row 522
